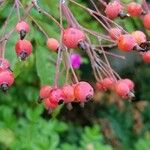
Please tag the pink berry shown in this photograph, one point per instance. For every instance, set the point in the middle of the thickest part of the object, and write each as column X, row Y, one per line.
column 45, row 91
column 130, row 83
column 52, row 44
column 68, row 91
column 57, row 95
column 4, row 64
column 146, row 21
column 75, row 60
column 22, row 27
column 146, row 56
column 134, row 9
column 105, row 84
column 113, row 9
column 122, row 89
column 126, row 42
column 23, row 49
column 83, row 91
column 114, row 33
column 139, row 36
column 6, row 79
column 72, row 37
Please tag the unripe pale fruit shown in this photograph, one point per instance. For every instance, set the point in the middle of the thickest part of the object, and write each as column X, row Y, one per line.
column 52, row 44
column 83, row 91
column 114, row 33
column 72, row 37
column 134, row 9
column 139, row 36
column 146, row 21
column 126, row 42
column 23, row 49
column 113, row 9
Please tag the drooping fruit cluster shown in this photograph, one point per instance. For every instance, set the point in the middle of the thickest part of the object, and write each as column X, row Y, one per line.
column 79, row 93
column 23, row 47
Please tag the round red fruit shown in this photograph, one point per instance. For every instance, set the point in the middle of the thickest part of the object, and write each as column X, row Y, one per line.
column 49, row 104
column 6, row 79
column 146, row 21
column 146, row 56
column 45, row 91
column 126, row 42
column 113, row 9
column 23, row 49
column 22, row 25
column 83, row 91
column 122, row 89
column 72, row 37
column 57, row 95
column 134, row 9
column 130, row 83
column 68, row 91
column 52, row 44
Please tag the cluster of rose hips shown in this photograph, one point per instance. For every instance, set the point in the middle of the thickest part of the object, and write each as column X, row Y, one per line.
column 74, row 36
column 136, row 40
column 80, row 92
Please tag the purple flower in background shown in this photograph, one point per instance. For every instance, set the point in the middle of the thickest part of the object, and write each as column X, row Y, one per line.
column 75, row 60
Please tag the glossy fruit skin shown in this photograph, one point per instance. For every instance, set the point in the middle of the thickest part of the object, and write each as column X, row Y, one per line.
column 146, row 56
column 68, row 91
column 6, row 77
column 105, row 84
column 122, row 89
column 113, row 9
column 23, row 46
column 114, row 33
column 139, row 36
column 57, row 95
column 126, row 42
column 4, row 64
column 49, row 104
column 45, row 91
column 22, row 25
column 52, row 44
column 129, row 82
column 72, row 36
column 83, row 91
column 146, row 21
column 134, row 9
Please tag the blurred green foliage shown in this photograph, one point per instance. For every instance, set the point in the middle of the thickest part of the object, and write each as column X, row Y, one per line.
column 24, row 125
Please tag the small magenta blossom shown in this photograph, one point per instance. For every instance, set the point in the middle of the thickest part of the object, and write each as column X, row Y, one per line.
column 75, row 60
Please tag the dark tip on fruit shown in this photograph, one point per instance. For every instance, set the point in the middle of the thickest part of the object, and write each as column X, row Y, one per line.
column 82, row 45
column 22, row 34
column 123, row 15
column 89, row 97
column 23, row 56
column 61, row 102
column 138, row 48
column 4, row 87
column 39, row 101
